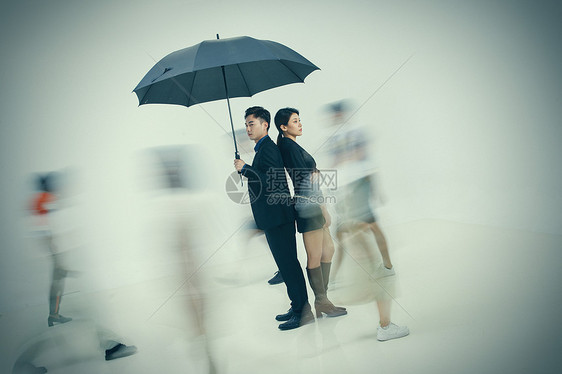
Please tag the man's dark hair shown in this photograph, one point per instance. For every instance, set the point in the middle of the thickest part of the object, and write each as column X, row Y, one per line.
column 259, row 112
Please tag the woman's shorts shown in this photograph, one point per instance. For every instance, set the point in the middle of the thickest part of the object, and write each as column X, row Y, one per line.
column 310, row 224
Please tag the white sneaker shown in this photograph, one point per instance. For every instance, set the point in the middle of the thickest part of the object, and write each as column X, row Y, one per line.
column 382, row 271
column 391, row 331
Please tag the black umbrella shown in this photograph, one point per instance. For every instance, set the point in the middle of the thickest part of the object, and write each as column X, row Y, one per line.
column 221, row 69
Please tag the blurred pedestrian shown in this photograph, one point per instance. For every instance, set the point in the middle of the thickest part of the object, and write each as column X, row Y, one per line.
column 55, row 222
column 43, row 207
column 188, row 217
column 350, row 152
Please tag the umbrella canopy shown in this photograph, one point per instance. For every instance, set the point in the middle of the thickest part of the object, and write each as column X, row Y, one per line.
column 222, row 69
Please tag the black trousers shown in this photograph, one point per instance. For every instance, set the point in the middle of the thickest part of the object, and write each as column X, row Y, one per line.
column 283, row 246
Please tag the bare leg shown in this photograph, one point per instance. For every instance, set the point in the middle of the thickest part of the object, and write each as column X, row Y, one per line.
column 338, row 253
column 313, row 245
column 57, row 281
column 381, row 243
column 388, row 330
column 327, row 246
column 56, row 291
column 360, row 236
column 384, row 306
column 196, row 302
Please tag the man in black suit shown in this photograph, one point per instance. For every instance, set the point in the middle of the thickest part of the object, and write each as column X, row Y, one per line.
column 273, row 213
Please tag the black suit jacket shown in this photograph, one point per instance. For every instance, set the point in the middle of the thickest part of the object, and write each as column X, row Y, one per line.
column 268, row 188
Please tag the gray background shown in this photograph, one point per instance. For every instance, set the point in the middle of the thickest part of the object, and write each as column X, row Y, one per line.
column 463, row 99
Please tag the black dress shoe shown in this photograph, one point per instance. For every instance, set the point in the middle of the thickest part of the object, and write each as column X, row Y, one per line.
column 277, row 278
column 27, row 368
column 298, row 320
column 120, row 350
column 285, row 317
column 57, row 319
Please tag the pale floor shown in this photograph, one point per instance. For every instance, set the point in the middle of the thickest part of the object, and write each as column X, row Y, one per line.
column 477, row 299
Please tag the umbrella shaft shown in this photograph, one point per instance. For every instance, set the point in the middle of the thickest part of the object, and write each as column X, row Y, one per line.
column 236, row 154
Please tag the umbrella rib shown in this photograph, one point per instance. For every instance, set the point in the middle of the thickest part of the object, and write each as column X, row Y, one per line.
column 191, row 98
column 146, row 93
column 288, row 68
column 182, row 88
column 244, row 79
column 187, row 94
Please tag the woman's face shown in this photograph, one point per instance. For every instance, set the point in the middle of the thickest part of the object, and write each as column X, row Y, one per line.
column 294, row 126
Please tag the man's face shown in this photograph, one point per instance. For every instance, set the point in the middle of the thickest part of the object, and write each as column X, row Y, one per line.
column 255, row 128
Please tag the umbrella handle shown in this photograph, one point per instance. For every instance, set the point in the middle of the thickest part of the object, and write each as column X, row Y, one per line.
column 237, row 157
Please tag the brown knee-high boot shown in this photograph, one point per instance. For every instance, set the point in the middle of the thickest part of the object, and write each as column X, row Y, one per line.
column 325, row 266
column 321, row 303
